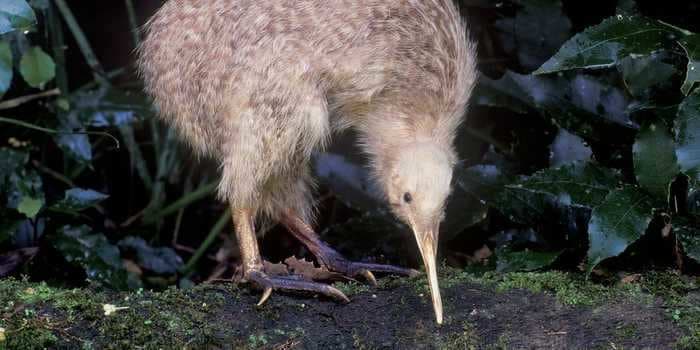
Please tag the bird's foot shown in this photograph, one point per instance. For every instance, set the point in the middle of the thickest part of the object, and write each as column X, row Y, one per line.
column 334, row 261
column 291, row 283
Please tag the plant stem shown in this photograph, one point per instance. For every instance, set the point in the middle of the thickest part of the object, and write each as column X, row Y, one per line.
column 215, row 230
column 58, row 48
column 81, row 39
column 133, row 23
column 7, row 104
column 56, row 132
column 201, row 192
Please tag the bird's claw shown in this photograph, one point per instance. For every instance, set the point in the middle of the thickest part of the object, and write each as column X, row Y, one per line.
column 293, row 285
column 369, row 276
column 266, row 295
column 365, row 270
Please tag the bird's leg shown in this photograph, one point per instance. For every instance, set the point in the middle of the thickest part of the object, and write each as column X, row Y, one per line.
column 253, row 267
column 330, row 258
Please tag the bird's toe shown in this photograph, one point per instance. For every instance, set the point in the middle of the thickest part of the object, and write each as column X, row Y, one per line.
column 292, row 284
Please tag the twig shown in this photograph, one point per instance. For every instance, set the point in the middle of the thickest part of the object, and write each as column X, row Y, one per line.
column 81, row 39
column 53, row 173
column 56, row 132
column 133, row 22
column 24, row 99
column 62, row 178
column 201, row 192
column 215, row 230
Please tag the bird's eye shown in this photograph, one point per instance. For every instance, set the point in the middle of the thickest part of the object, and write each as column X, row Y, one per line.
column 407, row 197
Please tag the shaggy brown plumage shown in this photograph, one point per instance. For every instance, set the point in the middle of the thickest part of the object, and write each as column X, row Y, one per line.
column 261, row 84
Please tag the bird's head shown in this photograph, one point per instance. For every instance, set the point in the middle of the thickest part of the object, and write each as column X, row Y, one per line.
column 417, row 188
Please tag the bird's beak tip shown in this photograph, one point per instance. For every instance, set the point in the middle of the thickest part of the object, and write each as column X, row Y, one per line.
column 428, row 248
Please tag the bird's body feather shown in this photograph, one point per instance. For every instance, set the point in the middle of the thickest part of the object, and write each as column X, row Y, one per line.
column 259, row 85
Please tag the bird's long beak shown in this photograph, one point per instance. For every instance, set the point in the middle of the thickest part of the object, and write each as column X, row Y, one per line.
column 427, row 244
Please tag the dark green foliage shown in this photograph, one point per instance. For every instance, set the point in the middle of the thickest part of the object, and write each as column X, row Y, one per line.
column 578, row 147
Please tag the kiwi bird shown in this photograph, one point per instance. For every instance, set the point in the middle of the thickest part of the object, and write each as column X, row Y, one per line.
column 259, row 85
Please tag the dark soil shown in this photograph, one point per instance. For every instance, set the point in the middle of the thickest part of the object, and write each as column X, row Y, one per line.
column 476, row 317
column 490, row 312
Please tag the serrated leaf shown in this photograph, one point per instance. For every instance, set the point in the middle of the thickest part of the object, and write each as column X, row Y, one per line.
column 604, row 45
column 619, row 221
column 687, row 130
column 579, row 185
column 582, row 184
column 37, row 67
column 77, row 199
column 6, row 71
column 16, row 15
column 586, row 106
column 691, row 45
column 96, row 255
column 655, row 163
column 509, row 260
column 645, row 75
column 162, row 260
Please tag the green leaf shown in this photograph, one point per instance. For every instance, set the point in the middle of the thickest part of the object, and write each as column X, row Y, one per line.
column 619, row 221
column 687, row 130
column 691, row 45
column 647, row 74
column 96, row 255
column 30, row 207
column 689, row 237
column 582, row 184
column 162, row 261
column 524, row 260
column 25, row 192
column 77, row 199
column 16, row 15
column 586, row 106
column 37, row 68
column 5, row 67
column 604, row 45
column 655, row 163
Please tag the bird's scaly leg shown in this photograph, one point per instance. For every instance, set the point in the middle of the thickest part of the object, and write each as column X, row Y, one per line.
column 253, row 268
column 330, row 258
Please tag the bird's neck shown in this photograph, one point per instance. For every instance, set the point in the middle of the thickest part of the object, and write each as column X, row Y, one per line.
column 385, row 138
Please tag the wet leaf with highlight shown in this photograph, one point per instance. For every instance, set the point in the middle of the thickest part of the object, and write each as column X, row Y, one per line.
column 619, row 221
column 605, row 44
column 691, row 45
column 16, row 15
column 687, row 129
column 655, row 164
